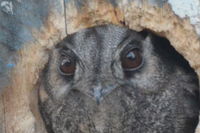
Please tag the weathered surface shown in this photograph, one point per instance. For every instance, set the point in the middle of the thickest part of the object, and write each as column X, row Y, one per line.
column 28, row 29
column 188, row 9
column 18, row 19
column 2, row 118
column 25, row 25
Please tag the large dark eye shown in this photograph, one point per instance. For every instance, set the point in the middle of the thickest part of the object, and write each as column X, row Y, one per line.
column 67, row 66
column 131, row 60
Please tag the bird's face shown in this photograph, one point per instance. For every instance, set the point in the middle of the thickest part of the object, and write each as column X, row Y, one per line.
column 98, row 60
column 108, row 70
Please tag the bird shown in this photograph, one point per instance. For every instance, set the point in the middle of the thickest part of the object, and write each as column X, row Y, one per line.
column 112, row 79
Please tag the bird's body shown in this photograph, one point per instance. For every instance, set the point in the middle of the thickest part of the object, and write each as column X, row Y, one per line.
column 110, row 79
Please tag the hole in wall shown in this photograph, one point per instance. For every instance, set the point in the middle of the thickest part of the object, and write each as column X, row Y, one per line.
column 167, row 52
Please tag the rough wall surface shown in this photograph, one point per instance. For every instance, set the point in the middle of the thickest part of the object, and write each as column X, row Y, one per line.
column 35, row 37
column 188, row 9
column 27, row 30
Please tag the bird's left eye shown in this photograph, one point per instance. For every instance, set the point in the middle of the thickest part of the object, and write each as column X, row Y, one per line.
column 131, row 60
column 67, row 66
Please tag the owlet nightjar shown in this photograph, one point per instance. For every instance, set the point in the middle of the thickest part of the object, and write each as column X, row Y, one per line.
column 110, row 79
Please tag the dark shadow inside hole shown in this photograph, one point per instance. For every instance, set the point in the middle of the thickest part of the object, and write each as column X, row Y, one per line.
column 167, row 52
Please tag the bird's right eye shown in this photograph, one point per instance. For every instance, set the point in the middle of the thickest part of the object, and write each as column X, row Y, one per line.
column 67, row 66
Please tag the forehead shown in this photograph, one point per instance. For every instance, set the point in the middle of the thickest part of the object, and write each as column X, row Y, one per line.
column 99, row 40
column 105, row 35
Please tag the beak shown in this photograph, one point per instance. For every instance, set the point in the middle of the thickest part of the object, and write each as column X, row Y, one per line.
column 97, row 91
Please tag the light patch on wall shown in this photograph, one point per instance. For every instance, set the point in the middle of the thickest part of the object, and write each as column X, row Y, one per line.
column 187, row 8
column 7, row 7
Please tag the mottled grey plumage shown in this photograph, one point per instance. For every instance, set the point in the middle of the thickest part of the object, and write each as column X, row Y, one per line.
column 160, row 96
